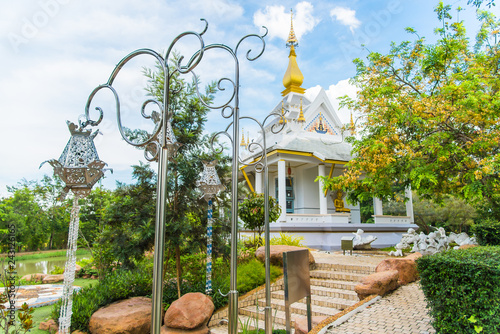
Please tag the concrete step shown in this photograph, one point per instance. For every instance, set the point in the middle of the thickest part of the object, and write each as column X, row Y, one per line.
column 300, row 307
column 337, row 275
column 319, row 301
column 278, row 316
column 334, row 293
column 244, row 320
column 333, row 284
column 351, row 268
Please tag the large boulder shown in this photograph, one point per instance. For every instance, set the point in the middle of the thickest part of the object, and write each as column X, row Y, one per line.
column 301, row 323
column 34, row 277
column 131, row 316
column 49, row 279
column 406, row 267
column 377, row 284
column 277, row 251
column 191, row 312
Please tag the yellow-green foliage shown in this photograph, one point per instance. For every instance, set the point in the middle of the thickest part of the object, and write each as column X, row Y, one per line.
column 288, row 240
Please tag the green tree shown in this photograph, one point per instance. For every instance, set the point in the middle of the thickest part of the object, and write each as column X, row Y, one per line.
column 22, row 210
column 251, row 212
column 429, row 117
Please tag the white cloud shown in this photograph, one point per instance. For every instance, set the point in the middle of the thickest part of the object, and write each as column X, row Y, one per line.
column 277, row 20
column 345, row 16
column 341, row 88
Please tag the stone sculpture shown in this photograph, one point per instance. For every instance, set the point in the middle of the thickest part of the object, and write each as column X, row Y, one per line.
column 361, row 242
column 434, row 242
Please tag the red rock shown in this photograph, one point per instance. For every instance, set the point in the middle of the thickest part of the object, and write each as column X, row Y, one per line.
column 49, row 325
column 407, row 269
column 77, row 268
column 377, row 284
column 413, row 256
column 131, row 316
column 301, row 323
column 48, row 279
column 276, row 256
column 193, row 310
column 466, row 246
column 35, row 277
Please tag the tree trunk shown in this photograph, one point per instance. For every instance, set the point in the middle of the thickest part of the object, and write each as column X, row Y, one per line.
column 178, row 265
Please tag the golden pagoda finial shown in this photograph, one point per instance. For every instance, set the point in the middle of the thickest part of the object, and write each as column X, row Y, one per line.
column 293, row 78
column 352, row 127
column 301, row 118
column 243, row 144
column 248, row 139
column 292, row 40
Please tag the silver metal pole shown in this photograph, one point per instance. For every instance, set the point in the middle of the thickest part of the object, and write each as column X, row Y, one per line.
column 267, row 237
column 233, row 286
column 161, row 196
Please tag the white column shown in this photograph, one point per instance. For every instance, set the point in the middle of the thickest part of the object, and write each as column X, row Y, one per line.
column 258, row 183
column 377, row 207
column 409, row 205
column 282, row 190
column 323, row 204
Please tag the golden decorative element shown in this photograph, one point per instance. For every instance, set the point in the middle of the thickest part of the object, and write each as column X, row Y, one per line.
column 242, row 143
column 352, row 127
column 292, row 40
column 293, row 78
column 282, row 118
column 339, row 203
column 301, row 118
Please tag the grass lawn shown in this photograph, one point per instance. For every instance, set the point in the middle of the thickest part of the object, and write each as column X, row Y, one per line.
column 41, row 314
column 46, row 254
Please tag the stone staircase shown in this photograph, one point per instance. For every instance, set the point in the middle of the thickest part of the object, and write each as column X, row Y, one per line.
column 332, row 290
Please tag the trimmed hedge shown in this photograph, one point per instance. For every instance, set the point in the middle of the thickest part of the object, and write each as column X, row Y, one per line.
column 487, row 232
column 462, row 288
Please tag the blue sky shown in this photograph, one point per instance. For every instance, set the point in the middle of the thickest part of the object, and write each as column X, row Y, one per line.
column 55, row 52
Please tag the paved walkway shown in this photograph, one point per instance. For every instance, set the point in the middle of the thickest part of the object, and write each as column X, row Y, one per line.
column 38, row 295
column 402, row 311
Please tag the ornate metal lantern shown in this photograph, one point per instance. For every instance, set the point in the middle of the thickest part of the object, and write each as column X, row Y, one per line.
column 80, row 168
column 210, row 185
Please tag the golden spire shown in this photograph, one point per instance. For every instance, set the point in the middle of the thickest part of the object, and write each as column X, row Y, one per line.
column 243, row 144
column 293, row 78
column 301, row 118
column 248, row 139
column 292, row 40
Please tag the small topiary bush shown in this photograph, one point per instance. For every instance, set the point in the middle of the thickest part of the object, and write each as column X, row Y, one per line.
column 462, row 288
column 487, row 232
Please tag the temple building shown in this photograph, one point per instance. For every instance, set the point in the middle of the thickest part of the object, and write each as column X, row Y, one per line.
column 311, row 144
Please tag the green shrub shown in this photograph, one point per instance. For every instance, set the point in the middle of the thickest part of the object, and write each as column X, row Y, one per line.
column 119, row 284
column 57, row 271
column 462, row 288
column 252, row 275
column 487, row 232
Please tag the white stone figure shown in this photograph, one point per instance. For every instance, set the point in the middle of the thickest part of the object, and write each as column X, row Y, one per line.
column 406, row 240
column 361, row 242
column 436, row 241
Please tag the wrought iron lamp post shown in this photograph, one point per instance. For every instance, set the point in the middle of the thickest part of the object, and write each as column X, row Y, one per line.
column 159, row 146
column 210, row 185
column 79, row 168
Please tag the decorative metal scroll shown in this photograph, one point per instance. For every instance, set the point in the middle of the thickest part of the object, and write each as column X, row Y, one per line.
column 159, row 146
